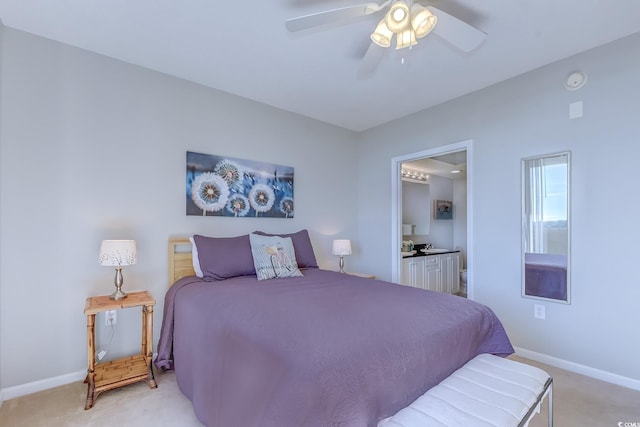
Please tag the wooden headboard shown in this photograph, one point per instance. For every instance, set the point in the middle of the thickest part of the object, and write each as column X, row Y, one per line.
column 180, row 262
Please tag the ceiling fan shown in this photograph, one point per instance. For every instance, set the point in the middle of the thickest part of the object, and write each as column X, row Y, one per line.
column 406, row 20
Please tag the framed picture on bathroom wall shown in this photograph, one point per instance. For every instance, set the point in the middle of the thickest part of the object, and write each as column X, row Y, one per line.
column 442, row 209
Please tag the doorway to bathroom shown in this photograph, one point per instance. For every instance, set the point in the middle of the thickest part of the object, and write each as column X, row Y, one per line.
column 447, row 171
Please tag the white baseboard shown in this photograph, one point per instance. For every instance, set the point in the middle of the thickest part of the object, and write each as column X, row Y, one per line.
column 580, row 369
column 41, row 385
column 33, row 387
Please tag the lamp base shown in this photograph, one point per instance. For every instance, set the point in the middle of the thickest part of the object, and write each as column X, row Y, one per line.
column 341, row 264
column 118, row 294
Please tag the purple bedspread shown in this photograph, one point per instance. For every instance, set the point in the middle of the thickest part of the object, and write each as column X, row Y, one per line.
column 326, row 349
column 545, row 275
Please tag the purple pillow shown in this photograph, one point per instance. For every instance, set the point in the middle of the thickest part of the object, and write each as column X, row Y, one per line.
column 224, row 257
column 305, row 256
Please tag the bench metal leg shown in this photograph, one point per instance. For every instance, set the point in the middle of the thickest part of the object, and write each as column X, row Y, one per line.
column 550, row 404
column 547, row 391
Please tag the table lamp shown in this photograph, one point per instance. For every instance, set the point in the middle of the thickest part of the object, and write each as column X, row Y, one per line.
column 341, row 247
column 117, row 253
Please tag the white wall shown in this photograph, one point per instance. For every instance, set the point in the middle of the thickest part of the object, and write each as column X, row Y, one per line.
column 1, row 57
column 460, row 218
column 441, row 234
column 521, row 117
column 92, row 148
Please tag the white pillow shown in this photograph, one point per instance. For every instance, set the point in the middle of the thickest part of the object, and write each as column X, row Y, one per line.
column 273, row 256
column 195, row 259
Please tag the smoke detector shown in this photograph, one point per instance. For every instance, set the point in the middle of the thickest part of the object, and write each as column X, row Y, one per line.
column 575, row 80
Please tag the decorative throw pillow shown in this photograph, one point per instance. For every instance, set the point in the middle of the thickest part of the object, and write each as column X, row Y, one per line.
column 273, row 256
column 219, row 258
column 301, row 245
column 195, row 259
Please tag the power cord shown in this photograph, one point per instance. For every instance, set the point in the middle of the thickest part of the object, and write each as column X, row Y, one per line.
column 102, row 353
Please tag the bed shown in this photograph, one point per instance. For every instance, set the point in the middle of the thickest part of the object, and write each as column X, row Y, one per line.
column 546, row 275
column 322, row 349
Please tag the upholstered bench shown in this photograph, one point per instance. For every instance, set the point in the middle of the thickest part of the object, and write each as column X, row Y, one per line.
column 487, row 391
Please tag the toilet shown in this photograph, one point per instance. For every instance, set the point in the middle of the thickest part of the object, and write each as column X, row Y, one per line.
column 463, row 280
column 463, row 271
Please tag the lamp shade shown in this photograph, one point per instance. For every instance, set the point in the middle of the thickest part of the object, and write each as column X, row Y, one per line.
column 398, row 17
column 422, row 20
column 382, row 35
column 117, row 253
column 341, row 247
column 405, row 39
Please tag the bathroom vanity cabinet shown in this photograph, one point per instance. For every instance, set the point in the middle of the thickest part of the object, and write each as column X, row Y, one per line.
column 439, row 273
column 413, row 272
column 424, row 272
column 450, row 272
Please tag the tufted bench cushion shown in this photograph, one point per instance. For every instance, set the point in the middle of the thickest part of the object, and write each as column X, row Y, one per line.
column 487, row 391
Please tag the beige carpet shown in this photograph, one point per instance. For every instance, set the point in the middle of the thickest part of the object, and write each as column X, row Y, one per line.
column 578, row 401
column 132, row 405
column 583, row 401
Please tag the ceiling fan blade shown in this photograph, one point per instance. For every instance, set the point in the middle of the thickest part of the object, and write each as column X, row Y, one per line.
column 457, row 32
column 331, row 16
column 370, row 61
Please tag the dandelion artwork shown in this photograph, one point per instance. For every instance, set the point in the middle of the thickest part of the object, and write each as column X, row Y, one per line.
column 286, row 206
column 209, row 192
column 261, row 197
column 225, row 186
column 238, row 205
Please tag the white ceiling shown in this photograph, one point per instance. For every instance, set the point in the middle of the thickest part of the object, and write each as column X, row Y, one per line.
column 452, row 165
column 243, row 48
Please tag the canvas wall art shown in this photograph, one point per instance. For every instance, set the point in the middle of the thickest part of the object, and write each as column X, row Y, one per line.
column 443, row 209
column 226, row 186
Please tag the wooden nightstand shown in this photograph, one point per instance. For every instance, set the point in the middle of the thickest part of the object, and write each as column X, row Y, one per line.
column 365, row 275
column 126, row 370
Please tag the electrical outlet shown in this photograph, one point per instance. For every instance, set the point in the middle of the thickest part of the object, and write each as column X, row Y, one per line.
column 539, row 311
column 110, row 317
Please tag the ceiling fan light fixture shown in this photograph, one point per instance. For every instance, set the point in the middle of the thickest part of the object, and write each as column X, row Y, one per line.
column 422, row 20
column 398, row 17
column 406, row 38
column 382, row 35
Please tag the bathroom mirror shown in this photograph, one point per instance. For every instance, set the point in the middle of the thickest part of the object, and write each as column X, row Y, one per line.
column 546, row 227
column 416, row 207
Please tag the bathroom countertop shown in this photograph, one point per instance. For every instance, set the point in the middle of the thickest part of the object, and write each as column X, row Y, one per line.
column 419, row 253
